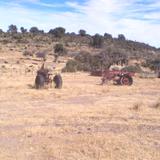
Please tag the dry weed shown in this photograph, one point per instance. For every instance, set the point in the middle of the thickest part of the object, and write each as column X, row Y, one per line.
column 156, row 105
column 137, row 106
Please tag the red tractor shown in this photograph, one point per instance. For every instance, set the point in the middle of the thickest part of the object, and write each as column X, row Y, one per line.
column 118, row 77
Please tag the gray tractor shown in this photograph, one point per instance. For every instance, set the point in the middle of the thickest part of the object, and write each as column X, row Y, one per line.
column 44, row 78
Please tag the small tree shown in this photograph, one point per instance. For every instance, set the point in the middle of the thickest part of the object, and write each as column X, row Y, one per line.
column 23, row 30
column 97, row 41
column 121, row 37
column 107, row 36
column 41, row 31
column 12, row 29
column 71, row 66
column 1, row 31
column 58, row 32
column 59, row 50
column 82, row 32
column 34, row 30
column 109, row 58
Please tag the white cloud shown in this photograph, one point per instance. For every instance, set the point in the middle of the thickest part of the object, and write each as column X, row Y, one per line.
column 111, row 16
column 124, row 16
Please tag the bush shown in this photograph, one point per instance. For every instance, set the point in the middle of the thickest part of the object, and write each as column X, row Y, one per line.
column 82, row 62
column 28, row 53
column 136, row 69
column 96, row 63
column 18, row 37
column 41, row 55
column 23, row 30
column 12, row 29
column 58, row 32
column 152, row 64
column 60, row 50
column 6, row 41
column 121, row 37
column 97, row 41
column 82, row 32
column 84, row 59
column 88, row 62
column 35, row 30
column 71, row 66
column 107, row 36
column 1, row 31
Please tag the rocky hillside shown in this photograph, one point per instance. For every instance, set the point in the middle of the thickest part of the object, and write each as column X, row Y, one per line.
column 36, row 42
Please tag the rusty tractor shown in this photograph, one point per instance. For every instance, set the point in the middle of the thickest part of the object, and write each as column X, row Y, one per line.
column 118, row 77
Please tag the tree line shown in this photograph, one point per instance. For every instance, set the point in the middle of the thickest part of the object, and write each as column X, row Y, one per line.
column 57, row 32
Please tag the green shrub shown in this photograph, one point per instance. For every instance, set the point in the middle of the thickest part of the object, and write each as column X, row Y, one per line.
column 84, row 60
column 42, row 54
column 136, row 69
column 82, row 32
column 28, row 53
column 97, row 41
column 58, row 32
column 152, row 64
column 60, row 50
column 71, row 66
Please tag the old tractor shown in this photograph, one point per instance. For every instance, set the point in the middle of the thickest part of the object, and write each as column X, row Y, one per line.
column 45, row 77
column 118, row 77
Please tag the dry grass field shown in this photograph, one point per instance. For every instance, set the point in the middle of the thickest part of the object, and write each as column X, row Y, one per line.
column 82, row 121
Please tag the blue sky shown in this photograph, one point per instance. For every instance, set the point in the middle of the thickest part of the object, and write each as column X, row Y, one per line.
column 137, row 19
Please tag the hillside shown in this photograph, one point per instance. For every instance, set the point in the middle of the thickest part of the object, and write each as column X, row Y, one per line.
column 37, row 42
column 75, row 42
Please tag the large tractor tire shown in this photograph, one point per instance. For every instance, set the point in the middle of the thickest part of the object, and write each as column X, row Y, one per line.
column 126, row 80
column 39, row 81
column 58, row 81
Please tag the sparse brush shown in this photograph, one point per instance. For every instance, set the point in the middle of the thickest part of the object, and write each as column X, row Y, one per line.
column 3, row 66
column 42, row 54
column 156, row 105
column 136, row 106
column 136, row 69
column 27, row 53
column 6, row 62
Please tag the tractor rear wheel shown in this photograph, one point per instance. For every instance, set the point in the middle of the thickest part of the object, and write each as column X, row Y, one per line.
column 126, row 80
column 58, row 81
column 39, row 81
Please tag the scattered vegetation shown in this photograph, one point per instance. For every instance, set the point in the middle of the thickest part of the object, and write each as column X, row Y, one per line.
column 136, row 106
column 97, row 41
column 71, row 66
column 156, row 105
column 23, row 30
column 28, row 53
column 58, row 32
column 107, row 36
column 88, row 62
column 12, row 29
column 135, row 68
column 41, row 54
column 152, row 63
column 121, row 37
column 82, row 32
column 92, row 52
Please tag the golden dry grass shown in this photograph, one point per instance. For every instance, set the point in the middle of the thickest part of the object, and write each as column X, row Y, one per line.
column 82, row 121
